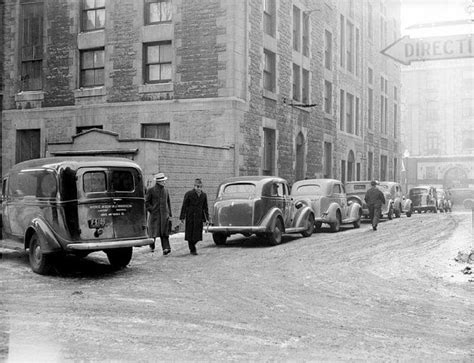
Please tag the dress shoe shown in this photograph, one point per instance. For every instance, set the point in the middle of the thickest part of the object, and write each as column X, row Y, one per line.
column 194, row 253
column 374, row 228
column 166, row 252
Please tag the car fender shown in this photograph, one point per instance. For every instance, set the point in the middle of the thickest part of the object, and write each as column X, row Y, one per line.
column 269, row 220
column 332, row 212
column 301, row 216
column 407, row 205
column 355, row 210
column 49, row 242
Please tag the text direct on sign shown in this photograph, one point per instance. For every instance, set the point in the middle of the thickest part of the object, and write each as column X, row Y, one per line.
column 407, row 50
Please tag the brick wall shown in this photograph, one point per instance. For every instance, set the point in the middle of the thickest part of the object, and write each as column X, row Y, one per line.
column 57, row 61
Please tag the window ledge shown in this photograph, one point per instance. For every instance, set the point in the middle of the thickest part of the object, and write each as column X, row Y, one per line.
column 89, row 92
column 270, row 95
column 156, row 88
column 28, row 96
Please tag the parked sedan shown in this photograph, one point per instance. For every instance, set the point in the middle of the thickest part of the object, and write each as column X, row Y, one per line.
column 401, row 204
column 356, row 192
column 328, row 200
column 259, row 205
column 424, row 198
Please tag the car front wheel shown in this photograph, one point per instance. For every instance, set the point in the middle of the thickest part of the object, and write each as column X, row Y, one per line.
column 274, row 237
column 309, row 226
column 40, row 263
column 336, row 226
column 120, row 257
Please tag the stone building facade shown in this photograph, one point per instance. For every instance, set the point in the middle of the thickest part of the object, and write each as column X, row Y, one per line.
column 295, row 88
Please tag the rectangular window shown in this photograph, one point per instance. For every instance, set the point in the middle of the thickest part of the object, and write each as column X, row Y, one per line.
column 93, row 15
column 383, row 167
column 349, row 113
column 92, row 68
column 327, row 160
column 28, row 144
column 358, row 171
column 156, row 131
column 158, row 65
column 305, row 90
column 382, row 115
column 327, row 49
column 268, row 151
column 357, row 53
column 306, row 36
column 350, row 46
column 157, row 11
column 342, row 45
column 357, row 117
column 269, row 71
column 395, row 120
column 296, row 82
column 94, row 182
column 370, row 109
column 341, row 110
column 80, row 129
column 31, row 46
column 370, row 165
column 269, row 17
column 296, row 28
column 370, row 26
column 328, row 97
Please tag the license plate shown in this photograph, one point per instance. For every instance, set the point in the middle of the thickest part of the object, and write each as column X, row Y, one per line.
column 96, row 223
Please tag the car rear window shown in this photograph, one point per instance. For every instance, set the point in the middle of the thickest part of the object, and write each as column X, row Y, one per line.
column 240, row 190
column 418, row 191
column 305, row 189
column 122, row 181
column 96, row 181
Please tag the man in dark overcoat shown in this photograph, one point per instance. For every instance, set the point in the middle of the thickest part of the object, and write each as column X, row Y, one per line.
column 158, row 205
column 374, row 199
column 195, row 212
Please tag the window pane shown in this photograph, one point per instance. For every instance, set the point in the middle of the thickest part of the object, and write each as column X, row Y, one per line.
column 154, row 72
column 165, row 72
column 87, row 78
column 94, row 182
column 99, row 3
column 153, row 54
column 99, row 77
column 166, row 11
column 89, row 4
column 100, row 19
column 122, row 180
column 87, row 60
column 165, row 53
column 89, row 20
column 98, row 58
column 154, row 10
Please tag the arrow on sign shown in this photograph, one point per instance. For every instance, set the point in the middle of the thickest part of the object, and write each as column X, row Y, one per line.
column 406, row 50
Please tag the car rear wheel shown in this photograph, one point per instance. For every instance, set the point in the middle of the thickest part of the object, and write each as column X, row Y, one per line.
column 219, row 238
column 40, row 263
column 274, row 237
column 309, row 226
column 336, row 226
column 120, row 257
column 317, row 226
column 356, row 224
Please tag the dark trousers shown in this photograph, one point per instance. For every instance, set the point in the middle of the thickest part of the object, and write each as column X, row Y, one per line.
column 192, row 246
column 374, row 214
column 165, row 243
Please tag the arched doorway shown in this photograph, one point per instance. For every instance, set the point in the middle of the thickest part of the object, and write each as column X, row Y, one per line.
column 350, row 166
column 300, row 150
column 455, row 178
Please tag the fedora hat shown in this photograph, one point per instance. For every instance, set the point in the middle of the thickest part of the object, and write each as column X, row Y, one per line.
column 160, row 177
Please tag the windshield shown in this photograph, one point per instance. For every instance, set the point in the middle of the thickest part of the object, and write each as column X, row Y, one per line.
column 307, row 189
column 418, row 191
column 356, row 187
column 240, row 190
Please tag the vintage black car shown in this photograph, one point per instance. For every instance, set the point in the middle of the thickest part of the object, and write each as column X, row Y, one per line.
column 54, row 206
column 259, row 205
column 327, row 198
column 401, row 204
column 356, row 192
column 424, row 198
